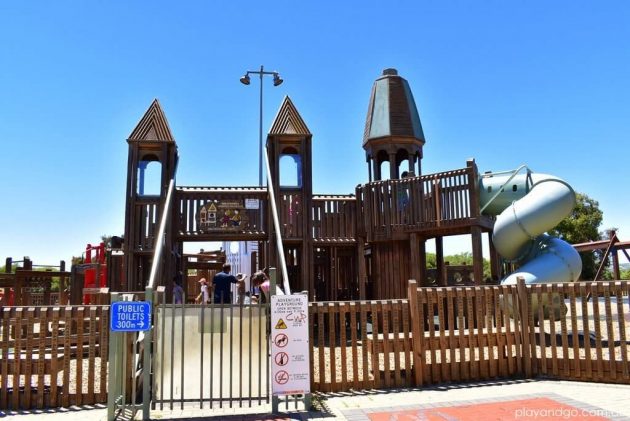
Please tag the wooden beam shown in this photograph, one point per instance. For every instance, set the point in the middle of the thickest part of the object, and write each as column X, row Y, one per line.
column 477, row 253
column 439, row 260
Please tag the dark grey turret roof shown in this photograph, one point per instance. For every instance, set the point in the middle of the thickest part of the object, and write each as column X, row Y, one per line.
column 392, row 110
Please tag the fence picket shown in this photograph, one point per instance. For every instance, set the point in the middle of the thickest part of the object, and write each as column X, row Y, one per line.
column 6, row 337
column 42, row 319
column 376, row 366
column 365, row 378
column 342, row 309
column 354, row 345
column 28, row 361
column 332, row 347
column 541, row 328
column 584, row 291
column 395, row 306
column 596, row 290
column 54, row 352
column 623, row 286
column 610, row 334
column 574, row 331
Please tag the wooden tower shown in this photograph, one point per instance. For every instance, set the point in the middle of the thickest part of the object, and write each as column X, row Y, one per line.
column 152, row 162
column 393, row 132
column 290, row 163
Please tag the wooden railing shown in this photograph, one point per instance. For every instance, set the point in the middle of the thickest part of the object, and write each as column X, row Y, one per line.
column 408, row 204
column 147, row 215
column 34, row 287
column 248, row 224
column 291, row 214
column 53, row 356
column 334, row 219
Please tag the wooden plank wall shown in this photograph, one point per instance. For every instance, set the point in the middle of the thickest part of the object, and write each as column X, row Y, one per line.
column 147, row 217
column 291, row 214
column 53, row 356
column 334, row 218
column 392, row 259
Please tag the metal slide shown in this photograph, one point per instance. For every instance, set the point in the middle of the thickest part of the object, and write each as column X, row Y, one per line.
column 527, row 206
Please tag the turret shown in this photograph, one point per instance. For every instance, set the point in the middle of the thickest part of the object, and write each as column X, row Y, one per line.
column 393, row 132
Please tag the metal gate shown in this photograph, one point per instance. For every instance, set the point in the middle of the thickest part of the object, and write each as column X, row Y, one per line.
column 210, row 355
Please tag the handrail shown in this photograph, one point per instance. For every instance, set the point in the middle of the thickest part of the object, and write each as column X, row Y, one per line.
column 159, row 241
column 514, row 173
column 276, row 223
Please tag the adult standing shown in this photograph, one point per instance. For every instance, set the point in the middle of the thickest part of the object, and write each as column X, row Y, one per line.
column 221, row 284
column 178, row 291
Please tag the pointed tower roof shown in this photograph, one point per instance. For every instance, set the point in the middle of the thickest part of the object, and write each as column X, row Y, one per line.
column 153, row 126
column 288, row 120
column 392, row 110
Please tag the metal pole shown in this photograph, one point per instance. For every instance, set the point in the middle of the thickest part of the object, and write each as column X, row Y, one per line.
column 147, row 363
column 114, row 363
column 260, row 135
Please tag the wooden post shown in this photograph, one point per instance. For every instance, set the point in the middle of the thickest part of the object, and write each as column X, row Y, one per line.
column 362, row 269
column 495, row 260
column 8, row 265
column 521, row 291
column 414, row 251
column 422, row 279
column 417, row 332
column 439, row 260
column 477, row 253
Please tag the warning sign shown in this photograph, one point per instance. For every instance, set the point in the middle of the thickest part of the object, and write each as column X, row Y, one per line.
column 282, row 377
column 281, row 340
column 281, row 358
column 290, row 345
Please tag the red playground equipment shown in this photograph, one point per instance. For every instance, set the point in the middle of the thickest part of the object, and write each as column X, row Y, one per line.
column 95, row 272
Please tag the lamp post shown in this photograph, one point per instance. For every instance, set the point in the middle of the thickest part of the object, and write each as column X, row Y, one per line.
column 245, row 80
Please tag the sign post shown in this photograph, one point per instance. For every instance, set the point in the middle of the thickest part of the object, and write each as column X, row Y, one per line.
column 290, row 373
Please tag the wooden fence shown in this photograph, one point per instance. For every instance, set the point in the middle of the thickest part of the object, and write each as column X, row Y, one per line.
column 53, row 356
column 56, row 356
column 472, row 334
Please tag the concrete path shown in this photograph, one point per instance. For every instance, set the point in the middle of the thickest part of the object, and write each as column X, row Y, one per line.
column 501, row 400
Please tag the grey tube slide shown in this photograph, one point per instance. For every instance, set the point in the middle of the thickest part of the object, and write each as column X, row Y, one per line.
column 527, row 206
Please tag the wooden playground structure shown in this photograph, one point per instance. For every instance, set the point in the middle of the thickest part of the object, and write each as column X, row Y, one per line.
column 363, row 245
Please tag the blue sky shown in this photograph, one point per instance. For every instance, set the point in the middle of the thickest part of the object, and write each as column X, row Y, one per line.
column 506, row 82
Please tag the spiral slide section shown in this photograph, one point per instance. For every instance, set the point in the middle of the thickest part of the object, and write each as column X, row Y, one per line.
column 528, row 205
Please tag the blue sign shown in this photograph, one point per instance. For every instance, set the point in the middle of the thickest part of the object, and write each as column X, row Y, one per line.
column 130, row 316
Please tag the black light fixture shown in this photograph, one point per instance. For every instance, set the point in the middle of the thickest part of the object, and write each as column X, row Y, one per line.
column 277, row 80
column 245, row 79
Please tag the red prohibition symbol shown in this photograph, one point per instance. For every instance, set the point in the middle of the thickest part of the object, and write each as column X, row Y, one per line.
column 282, row 377
column 281, row 340
column 282, row 358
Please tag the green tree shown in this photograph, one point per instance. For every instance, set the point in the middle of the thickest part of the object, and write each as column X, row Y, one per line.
column 580, row 226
